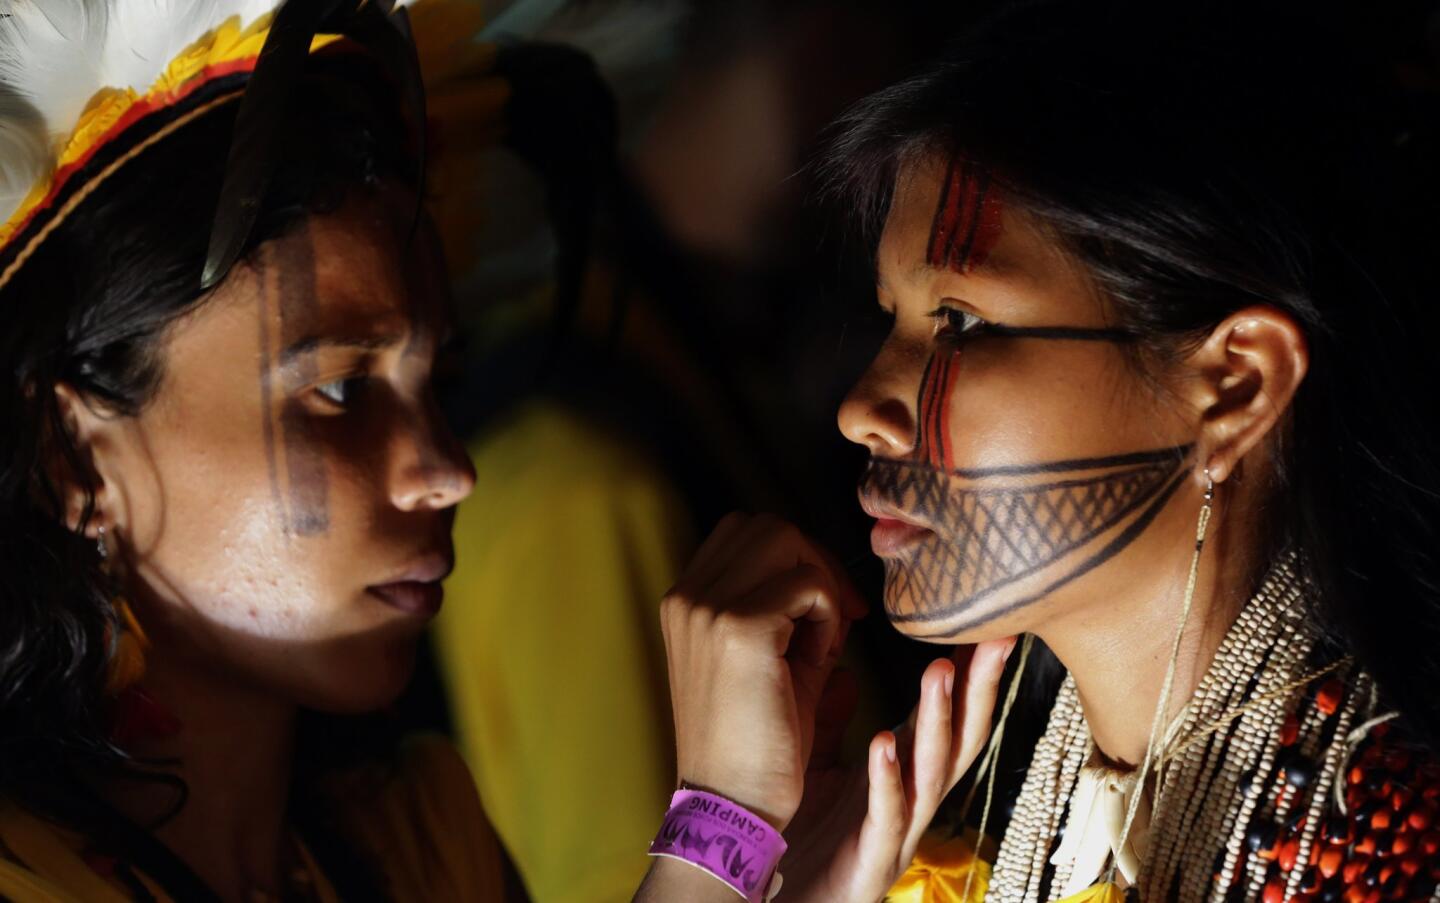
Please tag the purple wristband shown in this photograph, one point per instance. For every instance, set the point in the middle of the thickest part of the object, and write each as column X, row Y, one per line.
column 722, row 838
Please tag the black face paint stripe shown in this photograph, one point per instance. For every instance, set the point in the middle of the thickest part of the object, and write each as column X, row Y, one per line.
column 267, row 428
column 1175, row 453
column 1061, row 333
column 306, row 479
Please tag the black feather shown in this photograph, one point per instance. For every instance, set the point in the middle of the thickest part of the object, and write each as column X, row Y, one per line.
column 255, row 149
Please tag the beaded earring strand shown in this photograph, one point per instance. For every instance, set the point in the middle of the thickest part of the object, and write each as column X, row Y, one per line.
column 1152, row 745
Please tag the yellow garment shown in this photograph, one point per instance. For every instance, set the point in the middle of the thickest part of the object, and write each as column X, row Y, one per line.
column 422, row 825
column 550, row 648
column 939, row 871
column 941, row 867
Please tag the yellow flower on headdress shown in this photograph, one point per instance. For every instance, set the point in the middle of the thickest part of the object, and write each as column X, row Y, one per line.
column 939, row 872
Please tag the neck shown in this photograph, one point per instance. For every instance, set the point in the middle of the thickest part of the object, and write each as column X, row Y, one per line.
column 234, row 753
column 1118, row 652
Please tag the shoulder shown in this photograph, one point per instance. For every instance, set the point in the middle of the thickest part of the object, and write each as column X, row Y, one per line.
column 420, row 818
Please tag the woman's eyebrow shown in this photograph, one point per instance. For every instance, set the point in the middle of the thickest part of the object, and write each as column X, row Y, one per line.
column 312, row 343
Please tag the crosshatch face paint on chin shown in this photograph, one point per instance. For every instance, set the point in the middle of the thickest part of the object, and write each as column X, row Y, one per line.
column 991, row 530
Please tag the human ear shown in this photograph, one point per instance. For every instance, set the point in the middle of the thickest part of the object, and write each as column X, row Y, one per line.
column 78, row 462
column 1250, row 367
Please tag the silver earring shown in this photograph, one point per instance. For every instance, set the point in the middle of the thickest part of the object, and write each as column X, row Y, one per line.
column 100, row 543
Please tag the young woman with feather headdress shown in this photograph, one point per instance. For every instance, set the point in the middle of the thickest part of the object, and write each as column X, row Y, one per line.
column 225, row 489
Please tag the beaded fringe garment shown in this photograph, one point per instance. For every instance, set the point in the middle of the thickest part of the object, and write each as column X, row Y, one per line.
column 1249, row 805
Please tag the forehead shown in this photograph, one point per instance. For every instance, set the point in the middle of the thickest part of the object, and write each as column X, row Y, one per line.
column 355, row 267
column 947, row 229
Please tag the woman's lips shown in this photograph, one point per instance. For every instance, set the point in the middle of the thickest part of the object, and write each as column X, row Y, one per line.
column 411, row 596
column 889, row 536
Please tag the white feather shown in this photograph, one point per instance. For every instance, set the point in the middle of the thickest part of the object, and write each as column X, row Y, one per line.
column 56, row 55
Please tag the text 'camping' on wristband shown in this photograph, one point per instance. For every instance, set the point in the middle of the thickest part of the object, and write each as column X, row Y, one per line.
column 725, row 839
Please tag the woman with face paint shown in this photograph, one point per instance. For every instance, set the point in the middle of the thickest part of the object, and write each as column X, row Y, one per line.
column 225, row 487
column 1152, row 415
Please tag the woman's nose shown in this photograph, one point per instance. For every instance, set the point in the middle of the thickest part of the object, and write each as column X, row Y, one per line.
column 878, row 412
column 430, row 467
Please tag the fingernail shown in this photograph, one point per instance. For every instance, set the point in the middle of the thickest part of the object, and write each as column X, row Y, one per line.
column 890, row 752
column 949, row 682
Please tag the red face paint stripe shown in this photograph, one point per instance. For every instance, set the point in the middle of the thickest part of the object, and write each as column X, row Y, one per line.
column 950, row 216
column 972, row 193
column 939, row 235
column 967, row 219
column 964, row 240
column 932, row 445
column 987, row 229
column 923, row 402
column 942, row 420
column 937, row 412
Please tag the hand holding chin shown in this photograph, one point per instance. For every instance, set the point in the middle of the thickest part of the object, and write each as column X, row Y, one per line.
column 753, row 630
column 858, row 827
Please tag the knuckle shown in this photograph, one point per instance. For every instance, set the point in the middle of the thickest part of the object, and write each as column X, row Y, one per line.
column 672, row 604
column 727, row 625
column 788, row 534
column 678, row 604
column 821, row 579
column 731, row 632
column 731, row 520
column 775, row 527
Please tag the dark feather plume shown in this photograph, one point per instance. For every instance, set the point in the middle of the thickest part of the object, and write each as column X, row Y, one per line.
column 256, row 147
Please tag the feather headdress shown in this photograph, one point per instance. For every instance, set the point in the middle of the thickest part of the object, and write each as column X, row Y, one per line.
column 77, row 76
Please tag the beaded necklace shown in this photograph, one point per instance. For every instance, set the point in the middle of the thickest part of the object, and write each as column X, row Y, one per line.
column 1246, row 795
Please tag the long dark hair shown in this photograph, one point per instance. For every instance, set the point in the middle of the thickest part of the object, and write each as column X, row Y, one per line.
column 89, row 309
column 1199, row 158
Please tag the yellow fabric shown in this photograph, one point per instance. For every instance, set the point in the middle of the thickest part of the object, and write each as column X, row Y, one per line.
column 1100, row 893
column 939, row 872
column 422, row 825
column 550, row 647
column 941, row 867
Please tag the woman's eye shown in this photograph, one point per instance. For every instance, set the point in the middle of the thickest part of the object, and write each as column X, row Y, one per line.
column 340, row 392
column 954, row 322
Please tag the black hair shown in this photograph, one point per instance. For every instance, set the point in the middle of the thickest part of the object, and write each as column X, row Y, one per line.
column 1200, row 158
column 90, row 309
